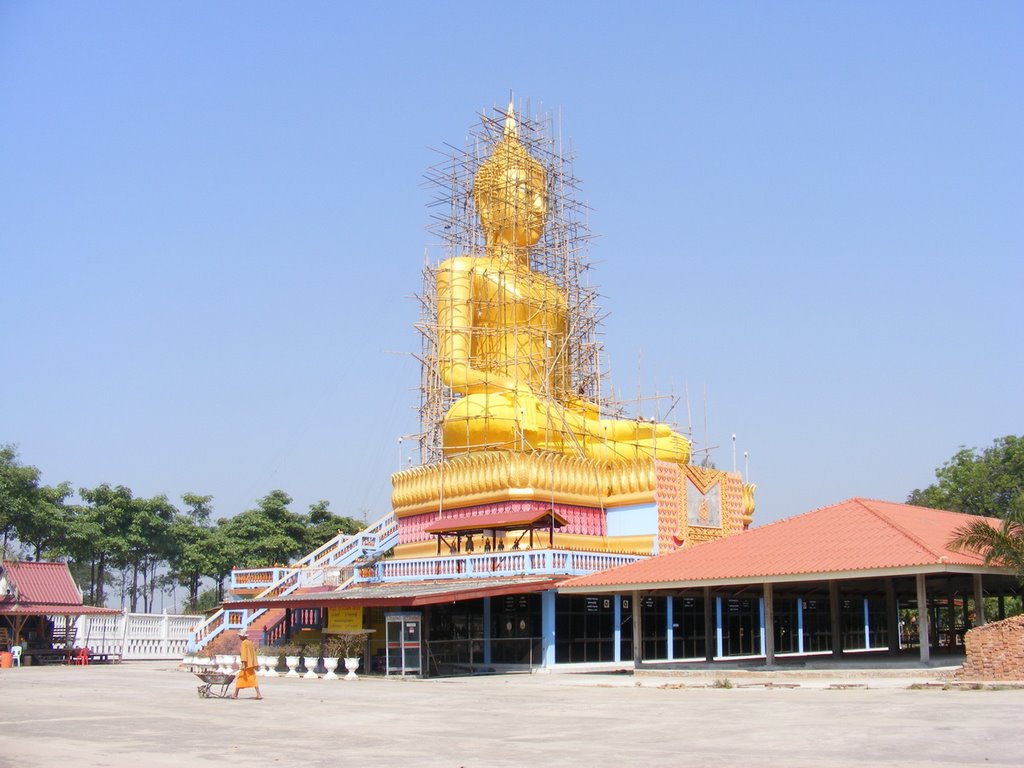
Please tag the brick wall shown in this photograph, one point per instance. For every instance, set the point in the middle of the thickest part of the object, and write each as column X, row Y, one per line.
column 995, row 651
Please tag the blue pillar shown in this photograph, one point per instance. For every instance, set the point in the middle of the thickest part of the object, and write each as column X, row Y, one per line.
column 867, row 625
column 547, row 620
column 669, row 633
column 760, row 609
column 800, row 625
column 617, row 628
column 487, row 630
column 718, row 627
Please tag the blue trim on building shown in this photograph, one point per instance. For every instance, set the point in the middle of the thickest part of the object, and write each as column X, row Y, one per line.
column 547, row 621
column 718, row 627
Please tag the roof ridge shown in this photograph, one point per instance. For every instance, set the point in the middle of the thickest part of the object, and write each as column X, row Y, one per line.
column 893, row 524
column 791, row 517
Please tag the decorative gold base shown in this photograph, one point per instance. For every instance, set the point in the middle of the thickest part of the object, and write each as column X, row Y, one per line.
column 494, row 476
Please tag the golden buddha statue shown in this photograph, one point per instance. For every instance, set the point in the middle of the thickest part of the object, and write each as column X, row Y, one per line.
column 502, row 336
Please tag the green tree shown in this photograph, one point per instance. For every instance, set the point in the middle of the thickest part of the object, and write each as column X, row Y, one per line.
column 268, row 534
column 150, row 546
column 323, row 525
column 19, row 485
column 43, row 525
column 193, row 554
column 98, row 535
column 988, row 483
column 1000, row 542
column 224, row 552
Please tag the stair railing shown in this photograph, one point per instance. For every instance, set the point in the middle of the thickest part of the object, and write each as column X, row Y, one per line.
column 307, row 571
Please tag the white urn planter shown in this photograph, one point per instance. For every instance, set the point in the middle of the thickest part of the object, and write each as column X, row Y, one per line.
column 352, row 664
column 271, row 666
column 292, row 662
column 330, row 665
column 310, row 666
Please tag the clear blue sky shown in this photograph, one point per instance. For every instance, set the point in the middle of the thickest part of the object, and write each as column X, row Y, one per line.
column 212, row 222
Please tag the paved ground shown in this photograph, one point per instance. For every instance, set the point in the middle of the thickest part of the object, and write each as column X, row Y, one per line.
column 149, row 714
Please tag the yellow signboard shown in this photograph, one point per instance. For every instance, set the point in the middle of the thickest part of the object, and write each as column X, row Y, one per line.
column 344, row 619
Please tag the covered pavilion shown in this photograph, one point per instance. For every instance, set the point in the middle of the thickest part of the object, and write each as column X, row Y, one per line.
column 41, row 590
column 861, row 575
column 517, row 522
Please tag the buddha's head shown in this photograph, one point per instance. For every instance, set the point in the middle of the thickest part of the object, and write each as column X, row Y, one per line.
column 510, row 192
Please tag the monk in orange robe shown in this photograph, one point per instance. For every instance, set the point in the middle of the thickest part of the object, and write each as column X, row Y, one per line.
column 246, row 677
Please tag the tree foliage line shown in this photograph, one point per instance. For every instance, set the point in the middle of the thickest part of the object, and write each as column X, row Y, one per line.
column 117, row 542
column 988, row 483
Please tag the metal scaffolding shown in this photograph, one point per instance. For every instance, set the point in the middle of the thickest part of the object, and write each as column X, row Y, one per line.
column 560, row 258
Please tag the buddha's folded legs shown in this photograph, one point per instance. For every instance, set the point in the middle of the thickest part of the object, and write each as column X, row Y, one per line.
column 522, row 422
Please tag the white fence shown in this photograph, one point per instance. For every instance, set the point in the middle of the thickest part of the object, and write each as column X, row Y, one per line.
column 136, row 635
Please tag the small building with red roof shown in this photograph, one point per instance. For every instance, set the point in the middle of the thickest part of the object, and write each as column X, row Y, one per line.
column 849, row 577
column 37, row 590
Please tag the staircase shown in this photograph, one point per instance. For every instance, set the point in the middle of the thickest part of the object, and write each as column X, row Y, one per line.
column 319, row 568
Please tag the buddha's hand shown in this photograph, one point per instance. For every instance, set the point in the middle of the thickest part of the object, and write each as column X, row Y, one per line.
column 585, row 408
column 493, row 384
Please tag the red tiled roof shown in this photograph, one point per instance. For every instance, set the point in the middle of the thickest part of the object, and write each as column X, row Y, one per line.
column 42, row 583
column 37, row 589
column 522, row 518
column 853, row 536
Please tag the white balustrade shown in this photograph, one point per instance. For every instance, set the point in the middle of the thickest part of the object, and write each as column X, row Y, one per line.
column 497, row 564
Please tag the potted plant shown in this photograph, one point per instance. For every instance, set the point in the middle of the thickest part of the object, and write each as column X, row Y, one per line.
column 333, row 649
column 268, row 657
column 292, row 654
column 351, row 646
column 311, row 662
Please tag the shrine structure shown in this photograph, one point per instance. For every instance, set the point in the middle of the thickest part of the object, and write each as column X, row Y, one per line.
column 519, row 446
column 528, row 473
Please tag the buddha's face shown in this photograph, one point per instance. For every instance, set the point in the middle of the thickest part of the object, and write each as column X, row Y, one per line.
column 514, row 209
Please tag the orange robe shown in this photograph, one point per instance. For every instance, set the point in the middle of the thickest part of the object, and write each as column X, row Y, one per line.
column 246, row 677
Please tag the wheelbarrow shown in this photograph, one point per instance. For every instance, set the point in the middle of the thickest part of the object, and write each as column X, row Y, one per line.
column 212, row 681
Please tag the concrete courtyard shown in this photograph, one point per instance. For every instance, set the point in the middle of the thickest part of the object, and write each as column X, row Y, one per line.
column 149, row 714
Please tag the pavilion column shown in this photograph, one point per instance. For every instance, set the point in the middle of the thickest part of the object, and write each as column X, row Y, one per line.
column 950, row 617
column 669, row 631
column 719, row 638
column 425, row 642
column 800, row 625
column 892, row 618
column 709, row 626
column 768, row 630
column 19, row 625
column 638, row 636
column 617, row 627
column 837, row 626
column 923, row 633
column 487, row 631
column 979, row 602
column 547, row 620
